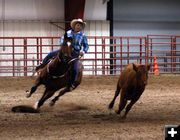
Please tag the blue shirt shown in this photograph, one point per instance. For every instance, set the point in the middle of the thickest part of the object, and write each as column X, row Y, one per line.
column 79, row 39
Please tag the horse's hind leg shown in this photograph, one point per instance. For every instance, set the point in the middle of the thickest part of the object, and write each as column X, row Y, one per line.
column 115, row 96
column 62, row 92
column 33, row 88
column 47, row 94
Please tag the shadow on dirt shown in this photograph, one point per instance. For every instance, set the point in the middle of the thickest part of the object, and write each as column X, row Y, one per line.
column 75, row 114
column 24, row 109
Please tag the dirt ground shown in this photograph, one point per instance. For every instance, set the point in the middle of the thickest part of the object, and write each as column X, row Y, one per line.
column 83, row 114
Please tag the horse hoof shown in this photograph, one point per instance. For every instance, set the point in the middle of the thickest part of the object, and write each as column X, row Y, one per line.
column 111, row 105
column 28, row 94
column 51, row 103
column 36, row 105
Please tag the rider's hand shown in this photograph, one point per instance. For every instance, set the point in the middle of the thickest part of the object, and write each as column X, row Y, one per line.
column 81, row 53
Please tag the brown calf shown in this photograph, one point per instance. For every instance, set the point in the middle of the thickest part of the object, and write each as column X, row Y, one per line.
column 132, row 82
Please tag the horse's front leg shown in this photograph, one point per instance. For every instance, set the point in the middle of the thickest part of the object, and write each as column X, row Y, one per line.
column 62, row 92
column 47, row 94
column 34, row 87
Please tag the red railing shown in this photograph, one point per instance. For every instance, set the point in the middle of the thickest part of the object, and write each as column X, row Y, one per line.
column 106, row 55
column 167, row 50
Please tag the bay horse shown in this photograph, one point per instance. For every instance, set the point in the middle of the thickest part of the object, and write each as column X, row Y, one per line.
column 131, row 83
column 56, row 74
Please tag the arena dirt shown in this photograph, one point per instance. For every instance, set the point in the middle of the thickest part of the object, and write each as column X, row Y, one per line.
column 83, row 114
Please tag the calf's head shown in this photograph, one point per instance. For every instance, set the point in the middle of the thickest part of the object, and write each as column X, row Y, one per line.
column 141, row 73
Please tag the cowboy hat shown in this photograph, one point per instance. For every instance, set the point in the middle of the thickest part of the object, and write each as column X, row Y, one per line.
column 74, row 21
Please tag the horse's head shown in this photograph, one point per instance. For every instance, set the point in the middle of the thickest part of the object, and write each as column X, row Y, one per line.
column 66, row 48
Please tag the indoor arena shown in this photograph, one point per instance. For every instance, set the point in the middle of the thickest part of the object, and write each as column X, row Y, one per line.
column 115, row 33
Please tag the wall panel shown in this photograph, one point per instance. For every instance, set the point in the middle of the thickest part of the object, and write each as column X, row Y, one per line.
column 95, row 10
column 30, row 29
column 32, row 10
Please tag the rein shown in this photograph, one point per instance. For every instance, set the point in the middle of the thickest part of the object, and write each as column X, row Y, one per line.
column 61, row 76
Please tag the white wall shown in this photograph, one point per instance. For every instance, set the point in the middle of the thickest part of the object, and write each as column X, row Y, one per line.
column 35, row 28
column 146, row 28
column 95, row 10
column 146, row 10
column 32, row 9
column 140, row 17
column 48, row 9
column 10, row 29
column 96, row 28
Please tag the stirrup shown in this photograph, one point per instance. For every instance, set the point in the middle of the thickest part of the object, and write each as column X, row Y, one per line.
column 72, row 87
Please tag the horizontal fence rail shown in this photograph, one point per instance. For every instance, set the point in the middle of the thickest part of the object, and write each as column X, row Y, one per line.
column 167, row 50
column 106, row 56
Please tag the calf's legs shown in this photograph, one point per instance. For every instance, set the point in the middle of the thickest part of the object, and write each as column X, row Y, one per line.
column 122, row 102
column 115, row 96
column 128, row 108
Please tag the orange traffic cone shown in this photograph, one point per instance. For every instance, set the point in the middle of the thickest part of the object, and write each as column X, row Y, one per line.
column 156, row 70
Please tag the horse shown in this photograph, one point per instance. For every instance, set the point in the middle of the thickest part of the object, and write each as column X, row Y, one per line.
column 56, row 75
column 131, row 82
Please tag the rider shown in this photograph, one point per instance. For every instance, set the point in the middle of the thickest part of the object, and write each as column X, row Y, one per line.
column 79, row 39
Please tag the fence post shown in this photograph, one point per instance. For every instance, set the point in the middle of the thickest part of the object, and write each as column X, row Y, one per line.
column 25, row 56
column 13, row 56
column 103, row 56
column 174, row 53
column 140, row 51
column 95, row 55
column 114, row 57
column 111, row 55
column 37, row 49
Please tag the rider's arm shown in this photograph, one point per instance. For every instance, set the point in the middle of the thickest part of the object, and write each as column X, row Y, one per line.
column 61, row 40
column 69, row 34
column 85, row 44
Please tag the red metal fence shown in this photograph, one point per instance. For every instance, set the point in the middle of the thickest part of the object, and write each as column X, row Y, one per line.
column 167, row 50
column 107, row 55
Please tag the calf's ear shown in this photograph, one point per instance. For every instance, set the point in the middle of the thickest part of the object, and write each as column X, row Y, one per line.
column 134, row 67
